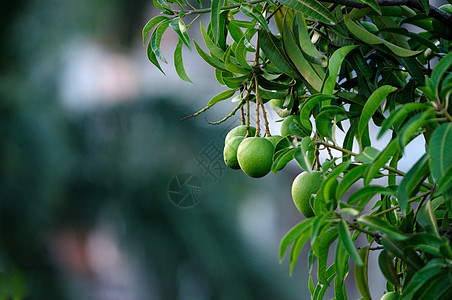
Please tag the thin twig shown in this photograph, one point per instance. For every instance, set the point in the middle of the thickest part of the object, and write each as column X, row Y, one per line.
column 241, row 103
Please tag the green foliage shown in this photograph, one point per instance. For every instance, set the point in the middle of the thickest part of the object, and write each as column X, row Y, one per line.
column 348, row 66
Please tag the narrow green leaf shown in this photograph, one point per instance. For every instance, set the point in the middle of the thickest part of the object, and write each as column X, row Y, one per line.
column 321, row 249
column 322, row 120
column 364, row 194
column 386, row 264
column 293, row 234
column 273, row 49
column 425, row 5
column 411, row 182
column 152, row 58
column 372, row 105
column 179, row 27
column 240, row 54
column 311, row 8
column 213, row 48
column 252, row 12
column 233, row 68
column 283, row 160
column 346, row 239
column 179, row 64
column 349, row 179
column 398, row 115
column 361, row 275
column 150, row 24
column 445, row 183
column 333, row 68
column 215, row 18
column 426, row 218
column 365, row 36
column 391, row 149
column 410, row 130
column 422, row 276
column 221, row 96
column 382, row 226
column 368, row 155
column 209, row 59
column 309, row 51
column 296, row 249
column 373, row 4
column 163, row 6
column 156, row 38
column 295, row 55
column 308, row 106
column 440, row 150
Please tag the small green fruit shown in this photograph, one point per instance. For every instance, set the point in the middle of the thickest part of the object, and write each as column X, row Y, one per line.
column 255, row 156
column 390, row 296
column 230, row 152
column 239, row 131
column 285, row 126
column 274, row 139
column 303, row 187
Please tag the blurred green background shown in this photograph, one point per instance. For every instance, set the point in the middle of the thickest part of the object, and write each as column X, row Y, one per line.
column 91, row 138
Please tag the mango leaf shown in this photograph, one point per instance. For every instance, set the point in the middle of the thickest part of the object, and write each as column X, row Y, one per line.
column 179, row 64
column 365, row 36
column 399, row 249
column 308, row 106
column 437, row 288
column 387, row 267
column 364, row 194
column 322, row 120
column 152, row 58
column 372, row 105
column 179, row 27
column 425, row 5
column 311, row 8
column 301, row 156
column 398, row 115
column 309, row 51
column 296, row 249
column 330, row 183
column 150, row 24
column 411, row 182
column 221, row 96
column 373, row 4
column 390, row 150
column 408, row 132
column 349, row 179
column 368, row 155
column 427, row 242
column 346, row 239
column 423, row 276
column 382, row 226
column 282, row 160
column 240, row 54
column 293, row 234
column 252, row 12
column 163, row 6
column 209, row 59
column 361, row 276
column 210, row 44
column 215, row 7
column 426, row 218
column 230, row 66
column 445, row 183
column 321, row 248
column 295, row 55
column 440, row 150
column 443, row 65
column 333, row 68
column 156, row 38
column 273, row 49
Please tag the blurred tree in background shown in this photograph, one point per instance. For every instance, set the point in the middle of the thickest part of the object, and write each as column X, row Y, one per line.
column 84, row 193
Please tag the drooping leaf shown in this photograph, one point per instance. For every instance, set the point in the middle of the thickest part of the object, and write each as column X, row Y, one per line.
column 364, row 194
column 283, row 160
column 382, row 226
column 373, row 4
column 179, row 64
column 308, row 106
column 333, row 68
column 426, row 218
column 346, row 239
column 293, row 234
column 368, row 155
column 273, row 49
column 252, row 12
column 361, row 275
column 365, row 36
column 150, row 24
column 311, row 8
column 391, row 149
column 210, row 44
column 215, row 6
column 398, row 115
column 349, row 179
column 372, row 105
column 440, row 149
column 386, row 264
column 217, row 64
column 221, row 96
column 411, row 182
column 179, row 27
column 156, row 38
